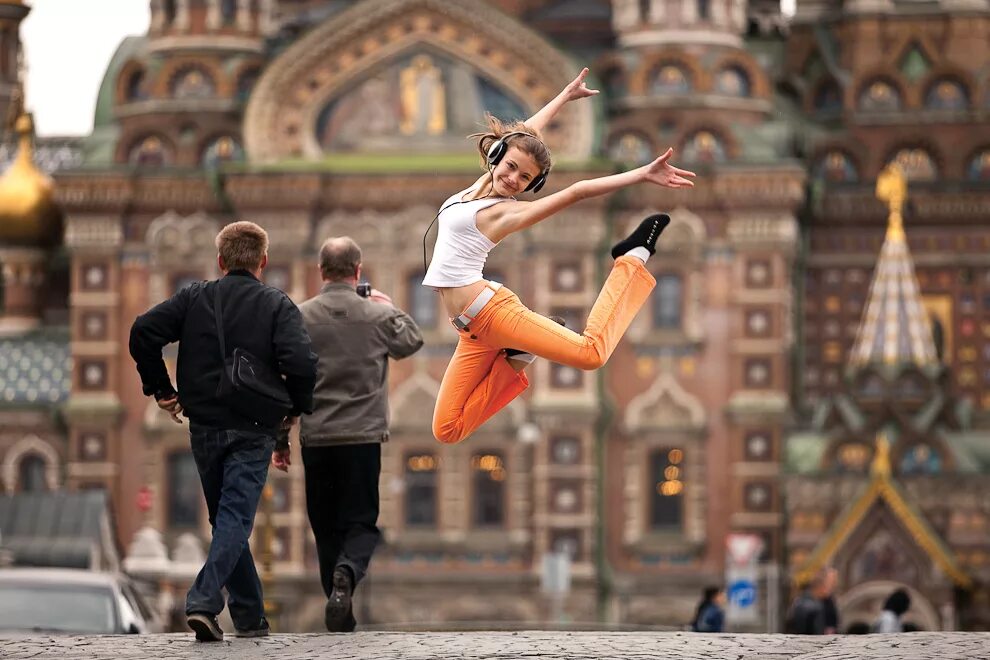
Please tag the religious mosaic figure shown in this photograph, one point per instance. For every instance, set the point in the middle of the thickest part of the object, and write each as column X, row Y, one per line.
column 149, row 153
column 670, row 79
column 916, row 164
column 880, row 96
column 630, row 148
column 837, row 168
column 703, row 147
column 946, row 95
column 193, row 84
column 423, row 98
column 979, row 167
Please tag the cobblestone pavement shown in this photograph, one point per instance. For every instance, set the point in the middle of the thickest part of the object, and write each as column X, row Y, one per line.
column 506, row 645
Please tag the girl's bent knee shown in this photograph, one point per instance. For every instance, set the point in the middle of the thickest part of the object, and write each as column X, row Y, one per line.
column 588, row 362
column 449, row 433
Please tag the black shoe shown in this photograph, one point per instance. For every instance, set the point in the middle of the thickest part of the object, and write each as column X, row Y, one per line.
column 645, row 235
column 261, row 631
column 205, row 626
column 510, row 352
column 337, row 616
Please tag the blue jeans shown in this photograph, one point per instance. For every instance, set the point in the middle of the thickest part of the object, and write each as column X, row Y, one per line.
column 233, row 468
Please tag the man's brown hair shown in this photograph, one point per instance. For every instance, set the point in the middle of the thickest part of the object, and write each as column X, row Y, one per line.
column 339, row 258
column 242, row 245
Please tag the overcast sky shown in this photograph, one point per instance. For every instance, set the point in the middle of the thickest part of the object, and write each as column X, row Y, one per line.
column 67, row 46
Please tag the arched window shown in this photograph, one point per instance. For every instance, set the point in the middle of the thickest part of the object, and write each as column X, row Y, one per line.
column 836, row 167
column 670, row 78
column 946, row 94
column 421, row 490
column 703, row 147
column 137, row 87
column 246, row 82
column 916, row 163
column 667, row 489
column 149, row 152
column 668, row 302
column 828, row 96
column 31, row 474
column 488, row 477
column 193, row 83
column 614, row 81
column 228, row 11
column 224, row 149
column 630, row 149
column 979, row 167
column 704, row 9
column 183, row 490
column 732, row 81
column 422, row 302
column 879, row 96
column 168, row 10
column 921, row 459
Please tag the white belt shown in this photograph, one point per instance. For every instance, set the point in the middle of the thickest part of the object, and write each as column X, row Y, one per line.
column 462, row 321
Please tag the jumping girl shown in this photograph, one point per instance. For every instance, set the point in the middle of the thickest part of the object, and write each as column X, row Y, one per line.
column 499, row 335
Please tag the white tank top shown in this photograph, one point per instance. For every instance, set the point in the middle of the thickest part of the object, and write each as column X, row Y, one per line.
column 461, row 250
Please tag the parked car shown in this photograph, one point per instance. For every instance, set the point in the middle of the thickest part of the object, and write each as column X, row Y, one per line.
column 70, row 601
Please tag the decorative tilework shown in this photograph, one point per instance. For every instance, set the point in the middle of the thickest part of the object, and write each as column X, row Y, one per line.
column 35, row 369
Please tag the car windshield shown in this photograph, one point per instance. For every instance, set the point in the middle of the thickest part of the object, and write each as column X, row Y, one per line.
column 56, row 608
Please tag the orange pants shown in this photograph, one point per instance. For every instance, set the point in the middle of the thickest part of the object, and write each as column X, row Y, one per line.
column 479, row 381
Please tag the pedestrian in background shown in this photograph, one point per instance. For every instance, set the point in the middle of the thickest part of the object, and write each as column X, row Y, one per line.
column 710, row 615
column 806, row 615
column 891, row 618
column 354, row 336
column 232, row 446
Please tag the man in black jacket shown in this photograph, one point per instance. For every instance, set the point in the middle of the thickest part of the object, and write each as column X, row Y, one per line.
column 232, row 452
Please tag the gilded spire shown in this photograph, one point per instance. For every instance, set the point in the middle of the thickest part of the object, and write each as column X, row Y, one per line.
column 895, row 328
column 881, row 458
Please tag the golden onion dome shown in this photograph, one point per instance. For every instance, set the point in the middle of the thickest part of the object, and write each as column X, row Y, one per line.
column 28, row 213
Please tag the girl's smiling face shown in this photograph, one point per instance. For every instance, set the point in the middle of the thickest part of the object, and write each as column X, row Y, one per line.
column 514, row 173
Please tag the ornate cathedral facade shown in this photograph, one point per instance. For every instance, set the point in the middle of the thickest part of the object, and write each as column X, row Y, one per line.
column 780, row 384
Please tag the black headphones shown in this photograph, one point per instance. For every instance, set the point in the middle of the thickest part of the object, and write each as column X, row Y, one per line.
column 497, row 151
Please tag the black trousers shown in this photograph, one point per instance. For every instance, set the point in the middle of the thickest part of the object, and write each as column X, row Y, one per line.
column 342, row 503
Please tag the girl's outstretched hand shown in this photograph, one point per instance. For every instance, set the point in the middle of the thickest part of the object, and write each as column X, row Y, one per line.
column 577, row 89
column 662, row 173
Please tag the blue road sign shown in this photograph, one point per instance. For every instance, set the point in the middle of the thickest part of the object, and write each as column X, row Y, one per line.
column 742, row 593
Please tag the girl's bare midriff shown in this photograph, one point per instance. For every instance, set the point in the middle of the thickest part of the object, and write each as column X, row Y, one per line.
column 457, row 299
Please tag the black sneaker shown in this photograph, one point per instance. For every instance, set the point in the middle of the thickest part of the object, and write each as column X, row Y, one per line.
column 338, row 616
column 205, row 626
column 513, row 352
column 645, row 235
column 261, row 631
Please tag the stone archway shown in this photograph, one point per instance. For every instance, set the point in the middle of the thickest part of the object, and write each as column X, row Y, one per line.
column 280, row 117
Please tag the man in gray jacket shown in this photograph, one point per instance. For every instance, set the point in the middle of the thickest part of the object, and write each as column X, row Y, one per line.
column 353, row 336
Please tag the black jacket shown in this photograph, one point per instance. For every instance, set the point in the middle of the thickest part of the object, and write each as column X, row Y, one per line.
column 256, row 317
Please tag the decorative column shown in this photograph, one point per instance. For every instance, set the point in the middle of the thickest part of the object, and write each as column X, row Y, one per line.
column 182, row 17
column 214, row 19
column 244, row 15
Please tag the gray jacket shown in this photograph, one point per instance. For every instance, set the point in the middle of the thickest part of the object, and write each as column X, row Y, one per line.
column 353, row 338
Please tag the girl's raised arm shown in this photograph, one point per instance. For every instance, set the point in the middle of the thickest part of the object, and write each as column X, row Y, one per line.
column 575, row 90
column 510, row 217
